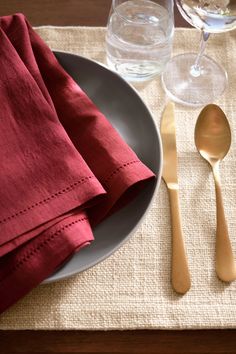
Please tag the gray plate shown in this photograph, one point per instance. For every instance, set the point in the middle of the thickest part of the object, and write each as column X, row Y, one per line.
column 127, row 112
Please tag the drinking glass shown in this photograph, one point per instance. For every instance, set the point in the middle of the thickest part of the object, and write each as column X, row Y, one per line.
column 139, row 37
column 197, row 79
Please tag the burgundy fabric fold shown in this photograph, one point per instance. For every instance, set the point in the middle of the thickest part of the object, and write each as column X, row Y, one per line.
column 63, row 167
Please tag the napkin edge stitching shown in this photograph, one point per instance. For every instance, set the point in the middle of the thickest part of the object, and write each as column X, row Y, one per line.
column 45, row 200
column 120, row 168
column 34, row 250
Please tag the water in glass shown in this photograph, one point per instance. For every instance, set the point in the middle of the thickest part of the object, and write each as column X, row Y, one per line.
column 139, row 38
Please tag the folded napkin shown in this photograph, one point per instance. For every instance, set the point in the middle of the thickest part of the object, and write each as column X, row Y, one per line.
column 63, row 167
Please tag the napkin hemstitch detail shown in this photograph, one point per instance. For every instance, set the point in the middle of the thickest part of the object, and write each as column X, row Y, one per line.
column 33, row 251
column 120, row 168
column 45, row 200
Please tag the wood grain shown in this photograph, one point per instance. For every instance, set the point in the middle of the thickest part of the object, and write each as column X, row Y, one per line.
column 95, row 13
column 66, row 12
column 158, row 342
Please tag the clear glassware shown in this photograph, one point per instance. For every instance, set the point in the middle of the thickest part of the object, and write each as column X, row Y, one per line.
column 139, row 37
column 196, row 79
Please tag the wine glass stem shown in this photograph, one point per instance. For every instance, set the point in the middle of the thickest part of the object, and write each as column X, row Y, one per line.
column 195, row 69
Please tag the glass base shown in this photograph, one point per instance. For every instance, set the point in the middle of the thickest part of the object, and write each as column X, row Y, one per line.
column 135, row 71
column 182, row 86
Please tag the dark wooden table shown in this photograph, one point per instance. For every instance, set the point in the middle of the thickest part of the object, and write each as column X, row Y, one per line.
column 95, row 13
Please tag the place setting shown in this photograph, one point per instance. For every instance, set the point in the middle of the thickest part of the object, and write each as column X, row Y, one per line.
column 118, row 165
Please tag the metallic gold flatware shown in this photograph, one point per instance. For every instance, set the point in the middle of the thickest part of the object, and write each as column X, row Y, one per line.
column 180, row 276
column 213, row 140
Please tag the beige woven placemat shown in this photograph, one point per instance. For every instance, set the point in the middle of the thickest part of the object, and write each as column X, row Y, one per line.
column 132, row 288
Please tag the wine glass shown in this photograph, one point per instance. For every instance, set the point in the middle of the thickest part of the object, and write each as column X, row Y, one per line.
column 193, row 79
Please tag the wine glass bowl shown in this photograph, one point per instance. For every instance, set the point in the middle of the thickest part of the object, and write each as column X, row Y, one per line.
column 196, row 79
column 211, row 16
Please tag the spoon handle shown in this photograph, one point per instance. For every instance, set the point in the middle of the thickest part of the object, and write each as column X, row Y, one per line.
column 180, row 273
column 225, row 264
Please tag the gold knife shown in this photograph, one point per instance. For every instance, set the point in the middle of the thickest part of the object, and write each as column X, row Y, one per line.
column 180, row 275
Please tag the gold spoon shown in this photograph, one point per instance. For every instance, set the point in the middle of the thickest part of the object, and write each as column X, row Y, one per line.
column 213, row 139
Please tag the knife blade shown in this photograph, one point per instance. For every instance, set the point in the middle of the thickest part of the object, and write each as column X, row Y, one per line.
column 169, row 172
column 180, row 275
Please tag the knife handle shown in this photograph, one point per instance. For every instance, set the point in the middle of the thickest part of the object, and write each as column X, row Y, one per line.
column 179, row 273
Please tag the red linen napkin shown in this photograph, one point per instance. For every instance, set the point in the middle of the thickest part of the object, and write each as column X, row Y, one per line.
column 60, row 160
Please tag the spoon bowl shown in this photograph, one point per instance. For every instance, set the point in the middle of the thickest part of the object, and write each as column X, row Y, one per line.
column 212, row 134
column 213, row 140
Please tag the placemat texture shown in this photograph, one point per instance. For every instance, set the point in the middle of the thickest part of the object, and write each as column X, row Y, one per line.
column 132, row 289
